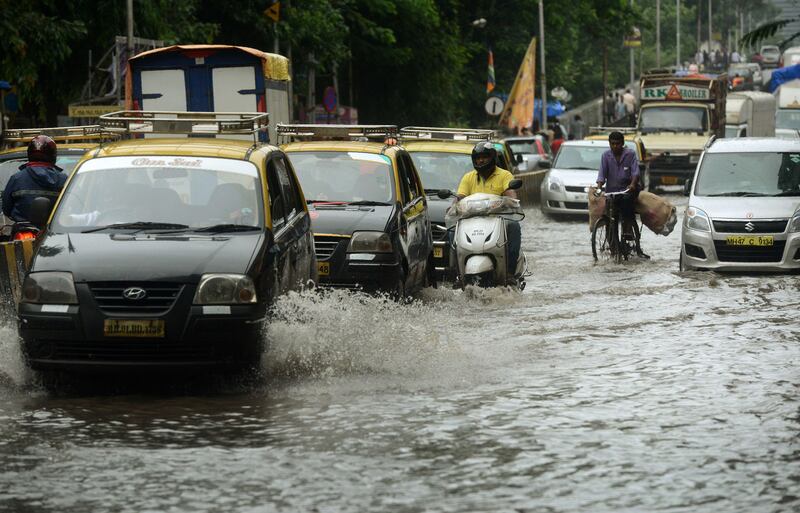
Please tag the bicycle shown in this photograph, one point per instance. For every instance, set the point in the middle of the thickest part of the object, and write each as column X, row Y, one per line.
column 606, row 241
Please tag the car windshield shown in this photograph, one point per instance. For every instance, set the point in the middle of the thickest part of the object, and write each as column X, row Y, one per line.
column 344, row 176
column 526, row 147
column 770, row 52
column 749, row 174
column 441, row 170
column 583, row 157
column 165, row 192
column 789, row 119
column 673, row 119
column 11, row 166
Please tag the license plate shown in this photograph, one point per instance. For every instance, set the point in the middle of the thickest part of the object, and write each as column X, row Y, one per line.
column 324, row 268
column 134, row 328
column 438, row 252
column 750, row 240
column 669, row 180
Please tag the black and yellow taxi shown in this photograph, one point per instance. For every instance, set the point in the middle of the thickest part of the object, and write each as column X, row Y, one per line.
column 367, row 204
column 73, row 142
column 443, row 156
column 166, row 250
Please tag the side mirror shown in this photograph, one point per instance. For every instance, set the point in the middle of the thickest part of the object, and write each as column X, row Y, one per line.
column 687, row 187
column 544, row 164
column 515, row 184
column 444, row 193
column 40, row 211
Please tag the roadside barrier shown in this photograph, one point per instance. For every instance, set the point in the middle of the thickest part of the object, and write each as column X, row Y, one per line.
column 529, row 194
column 15, row 260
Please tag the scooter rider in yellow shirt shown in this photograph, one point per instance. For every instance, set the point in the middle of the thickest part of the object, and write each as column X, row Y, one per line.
column 490, row 179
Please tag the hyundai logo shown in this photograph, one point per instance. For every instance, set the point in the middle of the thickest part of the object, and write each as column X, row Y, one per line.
column 749, row 227
column 134, row 293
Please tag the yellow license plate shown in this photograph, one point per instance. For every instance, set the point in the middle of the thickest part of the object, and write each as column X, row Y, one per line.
column 669, row 180
column 324, row 268
column 438, row 252
column 750, row 240
column 138, row 329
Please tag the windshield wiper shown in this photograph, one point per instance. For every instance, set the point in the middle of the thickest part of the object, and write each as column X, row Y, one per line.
column 788, row 193
column 329, row 202
column 368, row 203
column 582, row 168
column 738, row 194
column 138, row 225
column 227, row 228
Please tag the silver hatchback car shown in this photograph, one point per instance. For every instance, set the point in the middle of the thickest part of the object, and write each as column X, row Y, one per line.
column 744, row 207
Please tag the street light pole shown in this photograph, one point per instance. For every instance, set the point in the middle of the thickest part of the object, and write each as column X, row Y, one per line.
column 658, row 33
column 632, row 64
column 678, row 33
column 541, row 53
column 710, row 49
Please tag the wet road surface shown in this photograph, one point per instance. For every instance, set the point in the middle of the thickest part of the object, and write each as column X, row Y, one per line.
column 600, row 388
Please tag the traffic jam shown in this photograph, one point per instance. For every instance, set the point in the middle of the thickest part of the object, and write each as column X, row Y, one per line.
column 357, row 266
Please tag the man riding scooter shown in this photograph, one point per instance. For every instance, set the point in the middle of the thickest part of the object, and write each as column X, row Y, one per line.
column 490, row 179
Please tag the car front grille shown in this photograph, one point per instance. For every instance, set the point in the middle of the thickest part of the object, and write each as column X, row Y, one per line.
column 671, row 162
column 726, row 253
column 439, row 232
column 158, row 298
column 325, row 246
column 576, row 188
column 755, row 226
column 129, row 351
column 576, row 206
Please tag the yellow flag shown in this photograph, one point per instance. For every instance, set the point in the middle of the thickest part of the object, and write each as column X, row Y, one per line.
column 518, row 112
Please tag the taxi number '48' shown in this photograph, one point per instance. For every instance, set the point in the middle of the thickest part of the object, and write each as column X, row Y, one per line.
column 323, row 268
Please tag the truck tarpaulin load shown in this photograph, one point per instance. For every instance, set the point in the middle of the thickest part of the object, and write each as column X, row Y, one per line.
column 787, row 117
column 750, row 114
column 210, row 78
column 677, row 116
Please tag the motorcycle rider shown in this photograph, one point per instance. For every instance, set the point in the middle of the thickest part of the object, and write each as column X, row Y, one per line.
column 619, row 168
column 488, row 178
column 40, row 176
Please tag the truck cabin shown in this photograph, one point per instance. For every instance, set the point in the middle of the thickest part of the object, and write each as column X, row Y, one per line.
column 678, row 118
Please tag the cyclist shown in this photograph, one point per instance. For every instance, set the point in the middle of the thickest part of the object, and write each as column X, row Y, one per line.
column 619, row 170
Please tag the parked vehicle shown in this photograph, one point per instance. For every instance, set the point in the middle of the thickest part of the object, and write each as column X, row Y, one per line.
column 442, row 156
column 744, row 207
column 750, row 114
column 204, row 78
column 565, row 185
column 167, row 253
column 368, row 207
column 481, row 240
column 770, row 56
column 678, row 115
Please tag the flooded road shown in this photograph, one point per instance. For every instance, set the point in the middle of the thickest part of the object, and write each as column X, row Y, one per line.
column 600, row 388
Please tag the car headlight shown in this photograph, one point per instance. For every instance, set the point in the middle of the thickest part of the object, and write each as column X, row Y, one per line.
column 370, row 242
column 225, row 289
column 49, row 287
column 696, row 219
column 554, row 184
column 794, row 226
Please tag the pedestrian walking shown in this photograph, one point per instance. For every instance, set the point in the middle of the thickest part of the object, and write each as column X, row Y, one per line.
column 577, row 128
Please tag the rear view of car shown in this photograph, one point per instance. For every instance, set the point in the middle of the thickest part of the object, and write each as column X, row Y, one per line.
column 770, row 56
column 744, row 208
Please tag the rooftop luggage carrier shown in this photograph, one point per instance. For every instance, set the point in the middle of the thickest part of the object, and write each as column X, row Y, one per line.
column 336, row 132
column 446, row 134
column 60, row 134
column 198, row 124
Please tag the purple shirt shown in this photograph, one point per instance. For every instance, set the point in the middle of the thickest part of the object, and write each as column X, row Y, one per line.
column 618, row 175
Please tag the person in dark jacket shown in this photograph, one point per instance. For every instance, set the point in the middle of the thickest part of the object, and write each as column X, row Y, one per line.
column 40, row 176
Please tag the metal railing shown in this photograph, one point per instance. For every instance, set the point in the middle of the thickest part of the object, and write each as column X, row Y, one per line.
column 341, row 132
column 191, row 123
column 446, row 134
column 60, row 134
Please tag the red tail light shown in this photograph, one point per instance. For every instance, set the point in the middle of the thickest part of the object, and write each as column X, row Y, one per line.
column 262, row 103
column 24, row 236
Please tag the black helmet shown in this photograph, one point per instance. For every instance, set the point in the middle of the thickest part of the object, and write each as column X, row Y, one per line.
column 42, row 149
column 484, row 149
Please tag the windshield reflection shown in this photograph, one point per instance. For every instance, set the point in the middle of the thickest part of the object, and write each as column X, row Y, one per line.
column 441, row 170
column 742, row 174
column 337, row 176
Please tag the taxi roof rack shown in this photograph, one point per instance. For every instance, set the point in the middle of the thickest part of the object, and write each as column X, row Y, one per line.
column 347, row 132
column 60, row 134
column 192, row 123
column 446, row 134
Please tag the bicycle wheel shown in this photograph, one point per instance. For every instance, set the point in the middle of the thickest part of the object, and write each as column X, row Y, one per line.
column 601, row 239
column 628, row 244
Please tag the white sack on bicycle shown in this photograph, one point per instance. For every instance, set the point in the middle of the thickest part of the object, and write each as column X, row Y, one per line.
column 656, row 213
column 597, row 206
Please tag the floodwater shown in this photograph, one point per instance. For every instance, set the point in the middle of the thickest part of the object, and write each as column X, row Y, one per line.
column 608, row 387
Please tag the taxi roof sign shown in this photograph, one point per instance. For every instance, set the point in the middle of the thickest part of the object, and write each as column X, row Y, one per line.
column 336, row 131
column 176, row 122
column 446, row 134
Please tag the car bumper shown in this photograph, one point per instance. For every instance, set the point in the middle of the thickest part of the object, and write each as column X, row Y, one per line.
column 706, row 250
column 568, row 202
column 370, row 272
column 72, row 338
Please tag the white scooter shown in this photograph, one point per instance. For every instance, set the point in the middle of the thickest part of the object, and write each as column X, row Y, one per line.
column 481, row 239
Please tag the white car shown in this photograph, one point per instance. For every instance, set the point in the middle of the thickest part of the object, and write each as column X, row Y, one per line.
column 565, row 186
column 744, row 207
